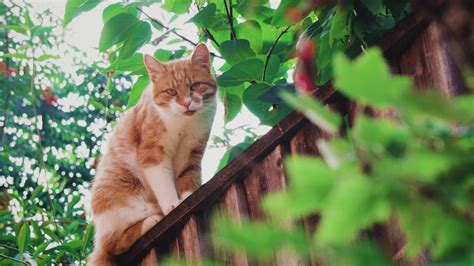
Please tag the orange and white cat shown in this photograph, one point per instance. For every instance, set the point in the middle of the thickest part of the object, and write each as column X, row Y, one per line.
column 153, row 157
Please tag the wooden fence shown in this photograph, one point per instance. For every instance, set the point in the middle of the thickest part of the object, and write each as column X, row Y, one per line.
column 415, row 47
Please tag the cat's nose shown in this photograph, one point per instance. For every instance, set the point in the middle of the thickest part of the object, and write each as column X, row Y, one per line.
column 186, row 102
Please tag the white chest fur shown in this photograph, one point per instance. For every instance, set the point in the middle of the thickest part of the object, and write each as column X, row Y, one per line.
column 183, row 133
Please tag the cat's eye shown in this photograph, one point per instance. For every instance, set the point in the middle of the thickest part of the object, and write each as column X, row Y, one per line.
column 171, row 92
column 195, row 86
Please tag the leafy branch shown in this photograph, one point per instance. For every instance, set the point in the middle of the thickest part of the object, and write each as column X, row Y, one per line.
column 184, row 38
column 230, row 17
column 207, row 32
column 271, row 51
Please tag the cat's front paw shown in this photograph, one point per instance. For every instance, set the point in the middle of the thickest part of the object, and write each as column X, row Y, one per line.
column 185, row 194
column 149, row 222
column 169, row 208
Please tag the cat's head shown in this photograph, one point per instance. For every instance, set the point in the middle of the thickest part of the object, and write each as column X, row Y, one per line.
column 183, row 86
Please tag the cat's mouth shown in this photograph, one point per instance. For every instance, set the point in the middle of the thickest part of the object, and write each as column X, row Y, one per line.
column 189, row 112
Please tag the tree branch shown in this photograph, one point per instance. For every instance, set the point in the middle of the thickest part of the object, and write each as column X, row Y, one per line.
column 211, row 37
column 271, row 51
column 207, row 32
column 228, row 11
column 184, row 38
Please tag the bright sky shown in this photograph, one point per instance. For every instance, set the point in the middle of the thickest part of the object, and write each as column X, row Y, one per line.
column 84, row 33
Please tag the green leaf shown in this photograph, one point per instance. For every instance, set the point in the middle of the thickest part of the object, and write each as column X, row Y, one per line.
column 137, row 90
column 117, row 29
column 205, row 17
column 232, row 153
column 133, row 64
column 36, row 192
column 311, row 181
column 76, row 7
column 235, row 51
column 273, row 66
column 115, row 9
column 245, row 71
column 16, row 55
column 232, row 100
column 314, row 111
column 381, row 137
column 38, row 31
column 28, row 22
column 273, row 95
column 423, row 107
column 22, row 29
column 259, row 240
column 397, row 8
column 368, row 79
column 3, row 8
column 86, row 239
column 354, row 204
column 163, row 55
column 23, row 237
column 375, row 6
column 44, row 57
column 268, row 113
column 177, row 6
column 279, row 18
column 40, row 249
column 340, row 26
column 140, row 35
column 251, row 99
column 254, row 9
column 51, row 233
column 252, row 32
column 421, row 165
column 96, row 104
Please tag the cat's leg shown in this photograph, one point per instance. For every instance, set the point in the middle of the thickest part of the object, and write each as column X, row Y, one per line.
column 134, row 232
column 118, row 228
column 160, row 178
column 189, row 179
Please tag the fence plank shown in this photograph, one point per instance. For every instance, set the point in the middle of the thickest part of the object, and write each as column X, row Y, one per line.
column 194, row 237
column 233, row 203
column 304, row 143
column 428, row 60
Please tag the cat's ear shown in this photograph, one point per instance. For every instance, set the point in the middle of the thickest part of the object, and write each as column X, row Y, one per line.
column 201, row 56
column 153, row 66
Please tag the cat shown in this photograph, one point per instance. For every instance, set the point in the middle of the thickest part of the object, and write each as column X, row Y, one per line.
column 153, row 157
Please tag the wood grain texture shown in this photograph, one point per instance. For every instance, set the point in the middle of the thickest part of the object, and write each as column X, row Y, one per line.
column 234, row 204
column 194, row 237
column 429, row 61
column 304, row 143
column 398, row 39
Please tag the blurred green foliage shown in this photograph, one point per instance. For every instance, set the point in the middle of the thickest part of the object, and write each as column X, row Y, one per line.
column 416, row 168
